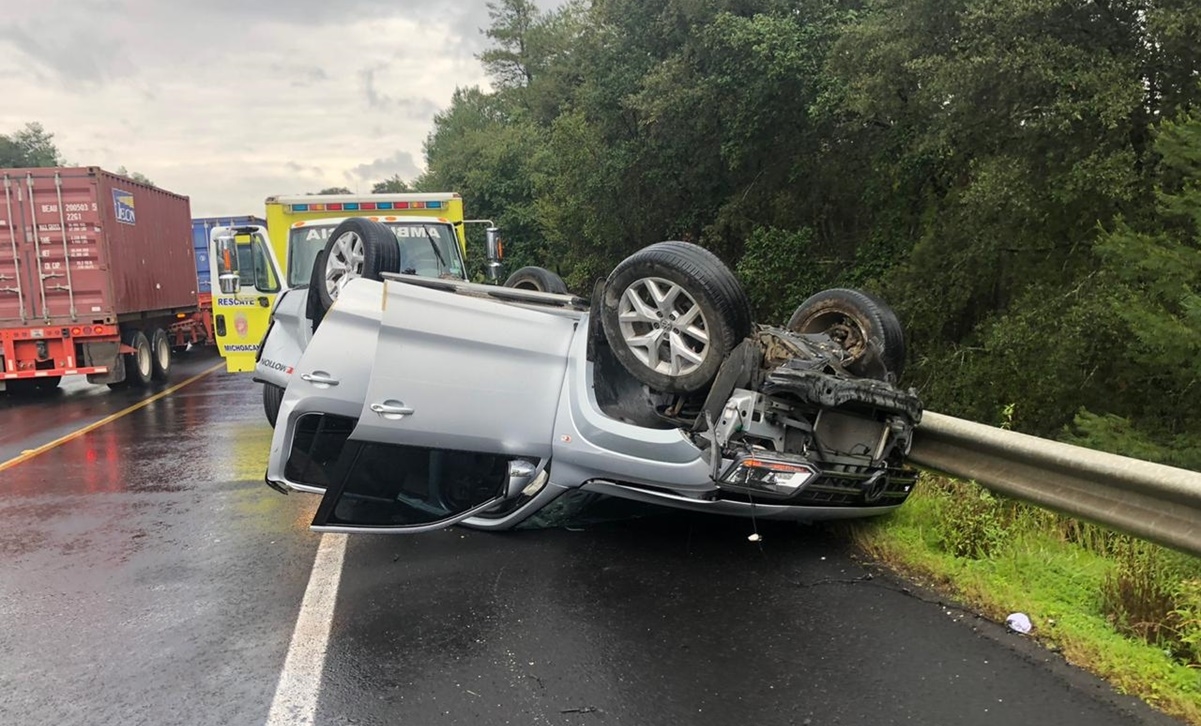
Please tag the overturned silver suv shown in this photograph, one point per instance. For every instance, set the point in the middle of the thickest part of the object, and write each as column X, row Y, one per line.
column 414, row 403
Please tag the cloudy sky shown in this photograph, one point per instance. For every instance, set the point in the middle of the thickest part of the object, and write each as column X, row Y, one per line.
column 230, row 101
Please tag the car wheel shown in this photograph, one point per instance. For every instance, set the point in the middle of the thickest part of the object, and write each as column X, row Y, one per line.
column 313, row 309
column 894, row 338
column 866, row 328
column 273, row 396
column 539, row 279
column 160, row 346
column 357, row 247
column 671, row 313
column 139, row 365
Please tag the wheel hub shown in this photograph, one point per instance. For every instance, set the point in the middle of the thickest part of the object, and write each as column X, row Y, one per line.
column 663, row 326
column 344, row 262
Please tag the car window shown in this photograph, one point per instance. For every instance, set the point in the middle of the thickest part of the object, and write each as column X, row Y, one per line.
column 391, row 485
column 254, row 264
column 316, row 446
column 265, row 279
column 429, row 250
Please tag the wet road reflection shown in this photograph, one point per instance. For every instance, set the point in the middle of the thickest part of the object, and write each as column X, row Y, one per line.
column 150, row 576
column 34, row 419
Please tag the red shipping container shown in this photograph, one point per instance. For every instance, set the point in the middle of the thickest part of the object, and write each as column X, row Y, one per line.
column 82, row 245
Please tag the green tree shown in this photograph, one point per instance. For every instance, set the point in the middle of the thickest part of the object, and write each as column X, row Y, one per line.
column 135, row 175
column 29, row 146
column 335, row 190
column 509, row 60
column 966, row 159
column 480, row 151
column 1152, row 275
column 392, row 185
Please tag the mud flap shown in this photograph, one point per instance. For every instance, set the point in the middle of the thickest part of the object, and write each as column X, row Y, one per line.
column 104, row 354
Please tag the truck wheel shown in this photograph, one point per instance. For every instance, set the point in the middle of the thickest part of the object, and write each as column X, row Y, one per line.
column 160, row 347
column 866, row 328
column 671, row 313
column 273, row 396
column 139, row 365
column 357, row 247
column 539, row 279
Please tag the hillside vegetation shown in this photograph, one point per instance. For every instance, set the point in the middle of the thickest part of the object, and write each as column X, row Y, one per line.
column 1018, row 178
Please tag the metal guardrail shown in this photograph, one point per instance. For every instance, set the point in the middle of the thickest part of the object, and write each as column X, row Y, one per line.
column 1155, row 502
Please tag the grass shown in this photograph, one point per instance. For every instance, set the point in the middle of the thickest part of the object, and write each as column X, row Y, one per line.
column 1126, row 610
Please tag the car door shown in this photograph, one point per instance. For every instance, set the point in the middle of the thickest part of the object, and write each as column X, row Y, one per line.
column 462, row 387
column 242, row 312
column 398, row 488
column 325, row 388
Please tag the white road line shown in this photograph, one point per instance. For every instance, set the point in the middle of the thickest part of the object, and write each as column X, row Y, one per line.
column 299, row 684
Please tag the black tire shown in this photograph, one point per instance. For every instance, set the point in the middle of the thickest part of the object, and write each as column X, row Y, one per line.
column 313, row 309
column 380, row 250
column 865, row 327
column 701, row 256
column 160, row 349
column 539, row 279
column 692, row 277
column 273, row 396
column 139, row 365
column 895, row 350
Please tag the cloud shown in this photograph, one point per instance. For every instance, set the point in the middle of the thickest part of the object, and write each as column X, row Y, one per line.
column 374, row 98
column 228, row 101
column 302, row 169
column 73, row 55
column 401, row 163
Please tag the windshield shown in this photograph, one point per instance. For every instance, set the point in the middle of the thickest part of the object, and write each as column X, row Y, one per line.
column 254, row 263
column 429, row 250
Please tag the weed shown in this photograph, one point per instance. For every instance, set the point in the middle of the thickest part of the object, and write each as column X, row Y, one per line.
column 972, row 524
column 1187, row 596
column 1136, row 596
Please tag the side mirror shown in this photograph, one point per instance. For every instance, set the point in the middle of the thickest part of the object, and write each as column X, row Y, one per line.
column 229, row 280
column 496, row 252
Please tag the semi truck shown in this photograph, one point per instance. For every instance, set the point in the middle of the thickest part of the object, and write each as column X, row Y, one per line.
column 94, row 270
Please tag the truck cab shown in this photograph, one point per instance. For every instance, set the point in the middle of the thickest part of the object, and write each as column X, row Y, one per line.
column 247, row 272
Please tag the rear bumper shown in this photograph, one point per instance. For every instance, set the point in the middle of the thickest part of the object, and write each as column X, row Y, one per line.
column 51, row 372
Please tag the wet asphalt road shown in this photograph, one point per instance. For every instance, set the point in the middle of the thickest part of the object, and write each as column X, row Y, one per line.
column 150, row 577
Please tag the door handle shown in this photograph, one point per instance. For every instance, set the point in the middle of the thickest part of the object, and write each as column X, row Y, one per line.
column 319, row 378
column 391, row 409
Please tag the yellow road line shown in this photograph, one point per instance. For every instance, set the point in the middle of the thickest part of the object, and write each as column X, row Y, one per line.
column 30, row 453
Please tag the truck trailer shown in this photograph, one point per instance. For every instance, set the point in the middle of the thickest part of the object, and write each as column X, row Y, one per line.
column 94, row 270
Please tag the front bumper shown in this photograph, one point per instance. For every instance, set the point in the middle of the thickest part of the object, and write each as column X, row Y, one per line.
column 739, row 507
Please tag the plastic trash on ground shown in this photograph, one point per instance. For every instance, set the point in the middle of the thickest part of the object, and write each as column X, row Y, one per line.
column 1018, row 623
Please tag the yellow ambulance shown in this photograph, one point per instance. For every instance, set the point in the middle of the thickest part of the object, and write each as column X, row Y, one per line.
column 297, row 245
